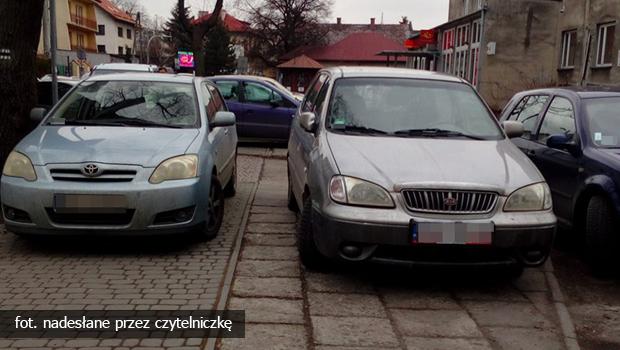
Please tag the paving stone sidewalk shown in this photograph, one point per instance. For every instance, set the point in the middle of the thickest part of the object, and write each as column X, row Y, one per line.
column 144, row 273
column 288, row 307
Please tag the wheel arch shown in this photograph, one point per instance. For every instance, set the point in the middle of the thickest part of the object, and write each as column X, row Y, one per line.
column 599, row 185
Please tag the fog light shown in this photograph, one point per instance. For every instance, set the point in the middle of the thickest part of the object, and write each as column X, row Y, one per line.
column 351, row 251
column 16, row 215
column 10, row 214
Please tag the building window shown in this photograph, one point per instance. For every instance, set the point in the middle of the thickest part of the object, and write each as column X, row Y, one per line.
column 80, row 40
column 128, row 51
column 461, row 51
column 120, row 50
column 128, row 33
column 605, row 47
column 447, row 50
column 569, row 49
column 120, row 32
column 101, row 48
column 79, row 15
column 466, row 7
column 101, row 30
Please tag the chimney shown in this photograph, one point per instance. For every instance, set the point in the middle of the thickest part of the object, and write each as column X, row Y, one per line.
column 222, row 15
column 339, row 20
column 372, row 23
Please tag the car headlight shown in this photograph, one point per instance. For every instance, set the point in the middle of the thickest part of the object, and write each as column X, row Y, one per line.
column 177, row 168
column 19, row 165
column 535, row 197
column 352, row 191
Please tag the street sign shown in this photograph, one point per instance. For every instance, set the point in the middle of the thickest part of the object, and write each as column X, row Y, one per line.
column 186, row 59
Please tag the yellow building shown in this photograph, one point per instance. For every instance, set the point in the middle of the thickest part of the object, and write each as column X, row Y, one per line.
column 76, row 27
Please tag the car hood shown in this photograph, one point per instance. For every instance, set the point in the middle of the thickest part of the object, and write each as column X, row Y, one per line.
column 398, row 163
column 146, row 147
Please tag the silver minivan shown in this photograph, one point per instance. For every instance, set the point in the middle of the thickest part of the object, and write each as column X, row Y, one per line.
column 404, row 166
column 131, row 154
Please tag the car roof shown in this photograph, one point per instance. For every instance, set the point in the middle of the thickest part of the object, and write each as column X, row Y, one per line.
column 388, row 72
column 584, row 92
column 126, row 66
column 159, row 77
column 242, row 77
column 61, row 79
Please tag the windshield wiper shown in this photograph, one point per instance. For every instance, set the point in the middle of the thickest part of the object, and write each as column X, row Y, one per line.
column 436, row 133
column 360, row 129
column 120, row 122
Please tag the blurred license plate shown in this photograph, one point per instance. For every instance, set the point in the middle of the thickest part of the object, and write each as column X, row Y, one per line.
column 81, row 203
column 452, row 233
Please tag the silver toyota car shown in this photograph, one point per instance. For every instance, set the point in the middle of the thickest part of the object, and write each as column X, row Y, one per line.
column 124, row 154
column 400, row 165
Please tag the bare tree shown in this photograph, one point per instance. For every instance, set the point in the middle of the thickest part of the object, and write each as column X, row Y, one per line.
column 132, row 7
column 19, row 40
column 280, row 26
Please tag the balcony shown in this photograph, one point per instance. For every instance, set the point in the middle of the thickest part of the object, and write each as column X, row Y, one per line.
column 84, row 22
column 77, row 48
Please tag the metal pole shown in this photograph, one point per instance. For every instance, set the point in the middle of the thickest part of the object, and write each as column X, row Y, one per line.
column 53, row 47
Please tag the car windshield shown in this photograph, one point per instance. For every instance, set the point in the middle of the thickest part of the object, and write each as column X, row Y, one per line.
column 129, row 103
column 409, row 108
column 603, row 121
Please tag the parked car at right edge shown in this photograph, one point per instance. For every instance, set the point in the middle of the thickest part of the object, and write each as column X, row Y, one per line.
column 404, row 166
column 573, row 136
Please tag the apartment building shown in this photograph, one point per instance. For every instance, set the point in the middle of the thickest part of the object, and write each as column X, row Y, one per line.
column 116, row 30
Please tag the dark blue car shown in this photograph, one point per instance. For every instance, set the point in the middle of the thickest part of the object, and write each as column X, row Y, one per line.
column 573, row 136
column 264, row 110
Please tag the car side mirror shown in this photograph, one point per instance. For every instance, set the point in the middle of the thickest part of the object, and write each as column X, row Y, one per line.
column 307, row 120
column 223, row 119
column 564, row 143
column 513, row 129
column 37, row 114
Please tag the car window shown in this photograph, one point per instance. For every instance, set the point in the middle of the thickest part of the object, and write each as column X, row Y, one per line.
column 527, row 112
column 127, row 103
column 321, row 98
column 217, row 98
column 257, row 93
column 559, row 119
column 210, row 102
column 603, row 121
column 44, row 92
column 229, row 89
column 313, row 92
column 408, row 107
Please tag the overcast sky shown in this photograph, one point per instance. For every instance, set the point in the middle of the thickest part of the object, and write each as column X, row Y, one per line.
column 423, row 13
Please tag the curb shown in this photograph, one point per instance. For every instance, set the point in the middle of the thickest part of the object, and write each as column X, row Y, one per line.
column 566, row 322
column 232, row 263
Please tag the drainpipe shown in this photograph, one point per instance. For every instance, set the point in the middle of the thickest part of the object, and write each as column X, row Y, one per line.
column 587, row 40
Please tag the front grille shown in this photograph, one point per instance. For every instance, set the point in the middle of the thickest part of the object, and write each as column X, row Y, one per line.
column 115, row 219
column 450, row 202
column 107, row 175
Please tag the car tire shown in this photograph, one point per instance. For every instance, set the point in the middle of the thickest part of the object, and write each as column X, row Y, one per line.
column 292, row 202
column 308, row 252
column 231, row 188
column 215, row 212
column 601, row 242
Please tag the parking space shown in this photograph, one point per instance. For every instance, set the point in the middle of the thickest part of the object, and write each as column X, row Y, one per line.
column 378, row 307
column 167, row 273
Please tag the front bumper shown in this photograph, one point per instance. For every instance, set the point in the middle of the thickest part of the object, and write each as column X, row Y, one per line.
column 144, row 202
column 385, row 235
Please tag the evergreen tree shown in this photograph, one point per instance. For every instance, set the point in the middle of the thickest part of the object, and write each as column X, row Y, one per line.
column 177, row 29
column 219, row 53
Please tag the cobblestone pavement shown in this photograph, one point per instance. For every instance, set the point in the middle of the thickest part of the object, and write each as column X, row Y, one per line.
column 375, row 307
column 121, row 274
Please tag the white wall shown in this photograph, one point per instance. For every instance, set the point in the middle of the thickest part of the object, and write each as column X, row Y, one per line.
column 111, row 40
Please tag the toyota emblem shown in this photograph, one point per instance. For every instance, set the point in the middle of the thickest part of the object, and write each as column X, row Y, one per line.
column 91, row 170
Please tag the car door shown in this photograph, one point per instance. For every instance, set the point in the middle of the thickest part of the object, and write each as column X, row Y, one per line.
column 527, row 111
column 559, row 167
column 231, row 92
column 217, row 137
column 228, row 149
column 268, row 113
column 306, row 142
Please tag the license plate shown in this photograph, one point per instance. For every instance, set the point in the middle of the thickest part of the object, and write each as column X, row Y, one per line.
column 455, row 233
column 83, row 203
